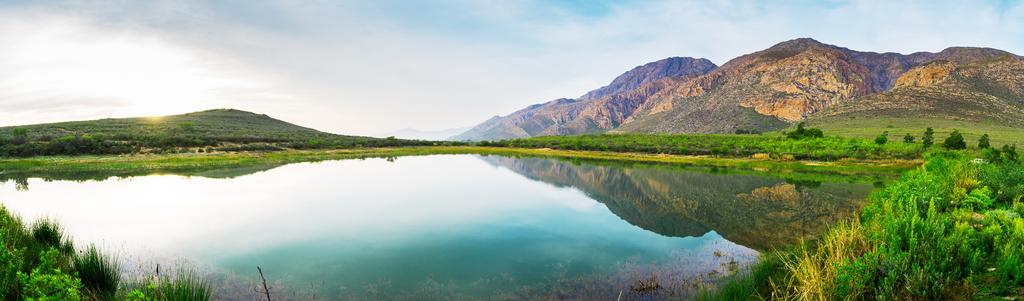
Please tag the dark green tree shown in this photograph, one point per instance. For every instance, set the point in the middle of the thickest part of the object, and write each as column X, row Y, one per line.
column 20, row 135
column 954, row 141
column 1010, row 152
column 983, row 143
column 882, row 139
column 929, row 138
column 908, row 138
column 802, row 132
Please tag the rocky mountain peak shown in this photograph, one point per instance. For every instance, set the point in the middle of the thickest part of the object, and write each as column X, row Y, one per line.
column 653, row 71
column 799, row 44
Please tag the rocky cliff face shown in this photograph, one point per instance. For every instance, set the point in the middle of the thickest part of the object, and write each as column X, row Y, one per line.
column 650, row 72
column 770, row 89
column 977, row 85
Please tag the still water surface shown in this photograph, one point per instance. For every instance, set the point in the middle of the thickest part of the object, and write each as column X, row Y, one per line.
column 445, row 226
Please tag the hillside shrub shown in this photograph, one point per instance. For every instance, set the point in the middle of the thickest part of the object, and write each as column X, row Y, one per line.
column 804, row 133
column 882, row 139
column 955, row 141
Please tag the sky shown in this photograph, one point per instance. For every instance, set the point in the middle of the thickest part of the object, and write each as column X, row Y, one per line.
column 373, row 67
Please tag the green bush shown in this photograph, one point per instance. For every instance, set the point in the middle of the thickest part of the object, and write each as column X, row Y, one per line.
column 983, row 142
column 955, row 141
column 805, row 133
column 882, row 139
column 49, row 282
column 10, row 264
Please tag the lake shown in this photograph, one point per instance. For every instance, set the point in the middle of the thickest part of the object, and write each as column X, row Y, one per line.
column 444, row 226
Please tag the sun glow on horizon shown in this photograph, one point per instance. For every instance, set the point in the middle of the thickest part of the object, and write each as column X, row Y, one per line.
column 111, row 74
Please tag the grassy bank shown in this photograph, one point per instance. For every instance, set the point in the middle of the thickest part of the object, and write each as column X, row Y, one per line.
column 189, row 164
column 870, row 127
column 768, row 145
column 39, row 262
column 952, row 229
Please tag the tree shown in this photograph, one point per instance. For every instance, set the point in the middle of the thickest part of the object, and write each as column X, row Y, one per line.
column 908, row 138
column 882, row 139
column 801, row 132
column 20, row 135
column 954, row 141
column 1010, row 152
column 983, row 142
column 929, row 138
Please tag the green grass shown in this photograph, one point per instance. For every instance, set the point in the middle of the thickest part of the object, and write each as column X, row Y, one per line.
column 184, row 286
column 100, row 274
column 775, row 146
column 48, row 234
column 869, row 128
column 952, row 229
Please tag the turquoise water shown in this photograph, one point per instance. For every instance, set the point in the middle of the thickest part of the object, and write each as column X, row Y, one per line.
column 443, row 227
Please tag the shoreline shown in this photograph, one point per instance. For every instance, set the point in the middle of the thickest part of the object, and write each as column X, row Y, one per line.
column 170, row 163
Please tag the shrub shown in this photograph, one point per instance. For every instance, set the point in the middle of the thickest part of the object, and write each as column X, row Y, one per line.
column 908, row 138
column 983, row 142
column 10, row 264
column 49, row 282
column 882, row 139
column 20, row 135
column 803, row 133
column 955, row 141
column 1010, row 152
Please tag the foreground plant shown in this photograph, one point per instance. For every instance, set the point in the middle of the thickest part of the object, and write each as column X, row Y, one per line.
column 100, row 274
column 952, row 229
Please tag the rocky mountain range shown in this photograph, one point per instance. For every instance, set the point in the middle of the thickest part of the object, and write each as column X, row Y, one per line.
column 789, row 82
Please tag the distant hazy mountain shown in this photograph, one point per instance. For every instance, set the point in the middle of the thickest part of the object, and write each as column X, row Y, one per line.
column 411, row 133
column 789, row 82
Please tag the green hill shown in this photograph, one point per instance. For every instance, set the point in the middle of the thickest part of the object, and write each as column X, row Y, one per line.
column 221, row 129
column 221, row 124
